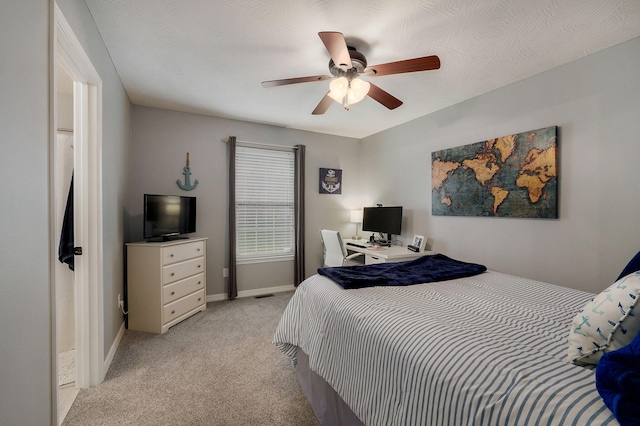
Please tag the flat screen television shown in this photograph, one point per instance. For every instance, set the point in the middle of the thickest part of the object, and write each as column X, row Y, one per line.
column 168, row 216
column 384, row 220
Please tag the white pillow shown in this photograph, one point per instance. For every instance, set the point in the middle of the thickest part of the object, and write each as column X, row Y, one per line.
column 606, row 323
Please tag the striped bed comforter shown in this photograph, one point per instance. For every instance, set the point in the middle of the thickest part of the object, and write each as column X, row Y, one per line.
column 484, row 350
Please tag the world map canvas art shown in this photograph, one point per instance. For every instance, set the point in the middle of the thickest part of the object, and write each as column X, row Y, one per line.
column 509, row 176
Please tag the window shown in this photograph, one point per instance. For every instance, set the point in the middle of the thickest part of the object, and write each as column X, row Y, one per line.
column 265, row 225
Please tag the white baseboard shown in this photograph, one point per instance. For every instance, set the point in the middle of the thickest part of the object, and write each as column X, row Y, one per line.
column 216, row 297
column 251, row 293
column 112, row 352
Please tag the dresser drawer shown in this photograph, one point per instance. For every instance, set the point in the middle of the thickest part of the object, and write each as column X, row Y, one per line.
column 179, row 289
column 181, row 306
column 179, row 252
column 179, row 271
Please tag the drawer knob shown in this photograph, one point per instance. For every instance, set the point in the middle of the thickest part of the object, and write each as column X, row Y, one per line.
column 198, row 248
column 199, row 299
column 173, row 292
column 173, row 312
column 199, row 266
column 173, row 273
column 171, row 255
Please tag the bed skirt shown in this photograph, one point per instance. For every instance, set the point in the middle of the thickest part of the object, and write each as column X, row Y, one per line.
column 329, row 408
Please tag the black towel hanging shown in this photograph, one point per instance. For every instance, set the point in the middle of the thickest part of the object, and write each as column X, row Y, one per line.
column 65, row 249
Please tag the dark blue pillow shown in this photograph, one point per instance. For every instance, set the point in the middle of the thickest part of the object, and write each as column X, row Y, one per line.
column 618, row 382
column 632, row 266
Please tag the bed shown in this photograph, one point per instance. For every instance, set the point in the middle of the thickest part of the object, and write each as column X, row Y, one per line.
column 489, row 349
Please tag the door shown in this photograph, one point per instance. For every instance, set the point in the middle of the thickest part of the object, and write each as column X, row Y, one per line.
column 87, row 223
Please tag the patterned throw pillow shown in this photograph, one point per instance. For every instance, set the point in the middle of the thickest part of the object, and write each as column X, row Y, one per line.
column 606, row 323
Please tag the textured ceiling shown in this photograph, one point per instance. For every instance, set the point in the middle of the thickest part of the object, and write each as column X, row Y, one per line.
column 210, row 56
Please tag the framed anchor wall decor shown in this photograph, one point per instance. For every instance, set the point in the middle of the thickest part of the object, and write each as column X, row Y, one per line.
column 187, row 185
column 330, row 181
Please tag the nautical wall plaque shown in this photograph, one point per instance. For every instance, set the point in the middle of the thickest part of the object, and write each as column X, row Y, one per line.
column 186, row 171
column 330, row 181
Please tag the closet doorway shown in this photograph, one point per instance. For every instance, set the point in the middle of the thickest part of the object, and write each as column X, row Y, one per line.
column 63, row 160
column 77, row 297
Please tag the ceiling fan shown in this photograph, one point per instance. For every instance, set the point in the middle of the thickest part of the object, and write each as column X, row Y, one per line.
column 347, row 65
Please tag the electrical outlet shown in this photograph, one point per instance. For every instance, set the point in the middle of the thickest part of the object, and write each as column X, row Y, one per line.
column 225, row 272
column 120, row 302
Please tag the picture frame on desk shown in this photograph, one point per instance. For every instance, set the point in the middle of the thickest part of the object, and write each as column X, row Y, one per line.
column 419, row 242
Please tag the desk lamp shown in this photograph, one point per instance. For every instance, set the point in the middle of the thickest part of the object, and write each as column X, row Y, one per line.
column 355, row 216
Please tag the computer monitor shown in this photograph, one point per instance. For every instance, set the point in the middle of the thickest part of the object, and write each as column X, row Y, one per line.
column 384, row 220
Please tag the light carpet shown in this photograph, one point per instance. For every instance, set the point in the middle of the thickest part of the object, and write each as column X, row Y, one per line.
column 218, row 367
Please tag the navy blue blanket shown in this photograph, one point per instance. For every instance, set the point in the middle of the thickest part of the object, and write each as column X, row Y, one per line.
column 437, row 267
column 618, row 382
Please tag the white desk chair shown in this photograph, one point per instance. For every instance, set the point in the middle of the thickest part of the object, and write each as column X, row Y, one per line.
column 335, row 254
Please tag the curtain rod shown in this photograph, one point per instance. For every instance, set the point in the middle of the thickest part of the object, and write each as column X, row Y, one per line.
column 226, row 140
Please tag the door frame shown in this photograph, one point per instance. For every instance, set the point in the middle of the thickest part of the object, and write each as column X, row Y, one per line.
column 88, row 229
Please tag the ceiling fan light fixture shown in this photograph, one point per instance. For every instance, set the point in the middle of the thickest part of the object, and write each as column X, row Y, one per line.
column 358, row 90
column 338, row 88
column 333, row 96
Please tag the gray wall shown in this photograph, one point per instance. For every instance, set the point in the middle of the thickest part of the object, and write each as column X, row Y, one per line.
column 595, row 102
column 26, row 326
column 161, row 140
column 25, row 314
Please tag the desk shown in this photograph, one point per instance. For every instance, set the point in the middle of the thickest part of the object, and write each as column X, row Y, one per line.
column 383, row 254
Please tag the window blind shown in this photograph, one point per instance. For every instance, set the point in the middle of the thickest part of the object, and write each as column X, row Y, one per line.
column 264, row 203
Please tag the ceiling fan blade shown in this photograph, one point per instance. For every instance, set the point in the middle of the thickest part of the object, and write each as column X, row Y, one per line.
column 337, row 47
column 425, row 63
column 385, row 98
column 285, row 81
column 323, row 106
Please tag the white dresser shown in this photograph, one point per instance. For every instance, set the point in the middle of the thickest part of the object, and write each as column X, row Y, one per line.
column 166, row 283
